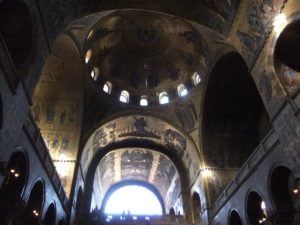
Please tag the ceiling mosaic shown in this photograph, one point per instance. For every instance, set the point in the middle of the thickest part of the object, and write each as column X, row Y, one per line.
column 145, row 53
column 142, row 128
column 139, row 164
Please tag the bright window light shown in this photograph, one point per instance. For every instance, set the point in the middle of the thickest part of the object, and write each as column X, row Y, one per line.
column 95, row 73
column 124, row 96
column 181, row 90
column 88, row 55
column 133, row 200
column 163, row 98
column 107, row 87
column 196, row 78
column 144, row 101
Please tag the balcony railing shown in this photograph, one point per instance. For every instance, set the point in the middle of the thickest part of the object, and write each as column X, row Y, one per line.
column 266, row 146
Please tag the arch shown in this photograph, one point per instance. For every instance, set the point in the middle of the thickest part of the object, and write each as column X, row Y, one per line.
column 234, row 218
column 256, row 209
column 34, row 205
column 234, row 117
column 50, row 216
column 121, row 184
column 17, row 28
column 286, row 56
column 128, row 143
column 282, row 184
column 196, row 207
column 13, row 187
column 172, row 212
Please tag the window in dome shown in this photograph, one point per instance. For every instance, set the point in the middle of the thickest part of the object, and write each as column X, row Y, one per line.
column 182, row 90
column 107, row 87
column 90, row 34
column 144, row 101
column 196, row 78
column 95, row 73
column 133, row 199
column 163, row 98
column 88, row 56
column 124, row 96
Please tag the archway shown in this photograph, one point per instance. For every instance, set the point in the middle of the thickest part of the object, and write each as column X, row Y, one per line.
column 234, row 218
column 234, row 120
column 196, row 208
column 234, row 117
column 33, row 209
column 256, row 209
column 11, row 202
column 287, row 57
column 132, row 192
column 17, row 31
column 283, row 192
column 50, row 216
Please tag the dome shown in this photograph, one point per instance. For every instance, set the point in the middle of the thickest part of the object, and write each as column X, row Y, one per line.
column 145, row 55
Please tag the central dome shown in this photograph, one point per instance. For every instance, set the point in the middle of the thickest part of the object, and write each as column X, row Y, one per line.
column 145, row 54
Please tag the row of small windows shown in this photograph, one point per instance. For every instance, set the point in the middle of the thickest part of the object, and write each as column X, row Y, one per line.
column 125, row 96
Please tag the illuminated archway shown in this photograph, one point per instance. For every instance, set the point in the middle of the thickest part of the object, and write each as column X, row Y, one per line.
column 133, row 198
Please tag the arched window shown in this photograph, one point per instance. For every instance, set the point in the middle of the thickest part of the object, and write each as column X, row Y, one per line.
column 88, row 55
column 196, row 78
column 196, row 208
column 17, row 31
column 163, row 98
column 124, row 96
column 256, row 209
column 133, row 200
column 107, row 87
column 182, row 90
column 287, row 57
column 284, row 190
column 144, row 101
column 90, row 34
column 33, row 209
column 235, row 219
column 50, row 216
column 95, row 73
column 12, row 187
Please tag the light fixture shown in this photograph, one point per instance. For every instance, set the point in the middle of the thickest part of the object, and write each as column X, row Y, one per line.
column 17, row 175
column 35, row 212
column 206, row 172
column 12, row 171
column 279, row 22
